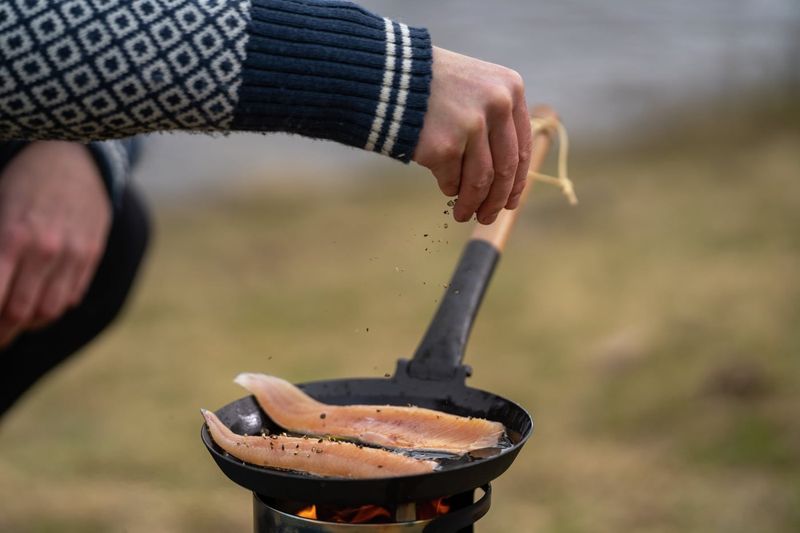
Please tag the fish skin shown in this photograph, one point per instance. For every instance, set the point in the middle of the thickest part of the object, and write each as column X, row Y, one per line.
column 408, row 428
column 327, row 458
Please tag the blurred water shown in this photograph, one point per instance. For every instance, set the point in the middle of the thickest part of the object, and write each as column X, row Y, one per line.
column 612, row 69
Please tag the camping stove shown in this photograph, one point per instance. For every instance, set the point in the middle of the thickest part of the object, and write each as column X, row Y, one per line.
column 454, row 514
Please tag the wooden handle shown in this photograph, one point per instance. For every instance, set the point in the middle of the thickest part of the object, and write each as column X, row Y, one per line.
column 498, row 231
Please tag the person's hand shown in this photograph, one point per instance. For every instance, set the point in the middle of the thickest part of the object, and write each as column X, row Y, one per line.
column 476, row 138
column 54, row 219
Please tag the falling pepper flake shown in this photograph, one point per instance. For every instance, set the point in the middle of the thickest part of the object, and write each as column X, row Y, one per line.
column 322, row 416
column 451, row 203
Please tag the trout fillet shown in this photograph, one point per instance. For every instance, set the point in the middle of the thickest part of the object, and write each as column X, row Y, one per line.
column 314, row 456
column 410, row 428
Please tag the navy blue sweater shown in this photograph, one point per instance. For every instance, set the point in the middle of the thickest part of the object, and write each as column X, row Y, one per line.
column 102, row 69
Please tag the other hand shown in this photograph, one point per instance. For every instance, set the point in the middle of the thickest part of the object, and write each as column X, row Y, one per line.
column 54, row 220
column 476, row 138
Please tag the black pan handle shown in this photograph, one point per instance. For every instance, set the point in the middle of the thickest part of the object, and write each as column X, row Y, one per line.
column 441, row 351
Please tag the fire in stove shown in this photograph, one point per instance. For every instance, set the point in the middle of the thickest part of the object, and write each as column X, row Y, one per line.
column 451, row 514
column 375, row 514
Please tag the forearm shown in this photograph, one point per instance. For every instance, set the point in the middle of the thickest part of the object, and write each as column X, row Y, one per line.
column 114, row 159
column 326, row 69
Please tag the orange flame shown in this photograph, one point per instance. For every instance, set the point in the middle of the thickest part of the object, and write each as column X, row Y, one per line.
column 366, row 514
column 432, row 509
column 308, row 512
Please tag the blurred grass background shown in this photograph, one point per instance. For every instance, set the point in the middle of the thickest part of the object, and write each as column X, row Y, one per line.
column 652, row 331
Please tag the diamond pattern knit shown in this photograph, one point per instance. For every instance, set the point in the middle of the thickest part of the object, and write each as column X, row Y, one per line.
column 81, row 69
column 99, row 69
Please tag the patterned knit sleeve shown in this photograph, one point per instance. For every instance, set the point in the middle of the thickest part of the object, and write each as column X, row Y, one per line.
column 101, row 69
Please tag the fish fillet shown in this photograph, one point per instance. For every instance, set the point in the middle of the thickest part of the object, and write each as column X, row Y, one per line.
column 412, row 428
column 315, row 456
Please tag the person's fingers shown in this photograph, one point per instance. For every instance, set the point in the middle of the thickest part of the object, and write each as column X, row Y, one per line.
column 9, row 252
column 34, row 268
column 37, row 322
column 503, row 142
column 448, row 174
column 57, row 291
column 522, row 122
column 12, row 242
column 477, row 174
column 7, row 268
column 84, row 277
column 8, row 332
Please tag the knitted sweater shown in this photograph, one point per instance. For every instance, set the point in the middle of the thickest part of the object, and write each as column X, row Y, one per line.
column 101, row 69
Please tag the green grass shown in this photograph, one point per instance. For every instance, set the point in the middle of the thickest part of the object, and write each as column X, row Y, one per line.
column 652, row 332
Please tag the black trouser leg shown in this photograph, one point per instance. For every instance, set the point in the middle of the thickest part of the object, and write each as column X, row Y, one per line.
column 33, row 354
